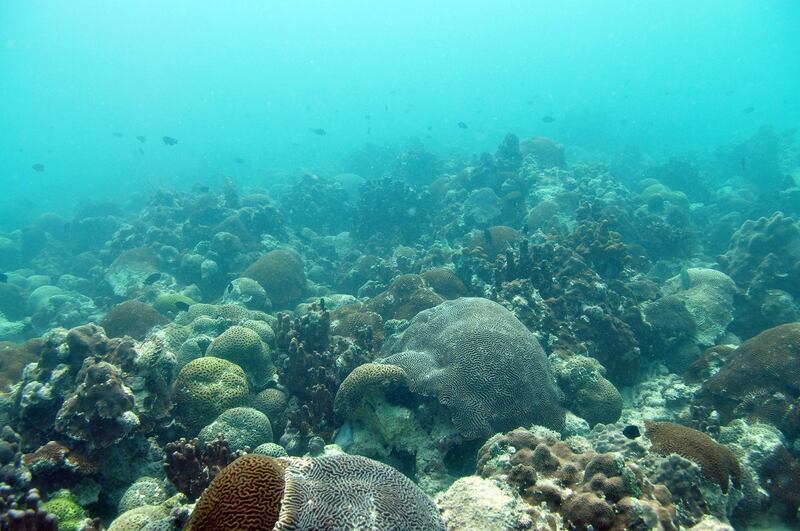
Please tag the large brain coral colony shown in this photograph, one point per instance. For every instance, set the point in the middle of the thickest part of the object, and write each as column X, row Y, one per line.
column 345, row 492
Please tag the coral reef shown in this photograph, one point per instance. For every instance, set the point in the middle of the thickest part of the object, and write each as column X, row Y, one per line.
column 586, row 489
column 760, row 380
column 762, row 259
column 408, row 313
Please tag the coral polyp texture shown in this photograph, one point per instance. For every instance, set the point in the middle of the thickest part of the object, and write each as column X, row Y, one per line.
column 206, row 387
column 480, row 362
column 335, row 492
column 718, row 463
column 280, row 273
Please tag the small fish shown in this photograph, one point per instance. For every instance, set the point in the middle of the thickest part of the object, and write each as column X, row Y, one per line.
column 182, row 306
column 3, row 278
column 141, row 139
column 141, row 151
column 748, row 110
column 319, row 131
column 462, row 125
column 152, row 279
column 430, row 128
column 548, row 119
column 367, row 116
column 38, row 167
column 686, row 282
column 168, row 140
column 238, row 160
column 117, row 134
column 631, row 431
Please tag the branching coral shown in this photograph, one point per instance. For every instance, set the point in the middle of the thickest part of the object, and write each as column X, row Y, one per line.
column 191, row 465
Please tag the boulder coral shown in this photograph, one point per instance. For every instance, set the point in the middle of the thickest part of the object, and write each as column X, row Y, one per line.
column 244, row 347
column 363, row 377
column 280, row 272
column 587, row 392
column 206, row 387
column 131, row 318
column 242, row 427
column 761, row 379
column 481, row 363
column 332, row 492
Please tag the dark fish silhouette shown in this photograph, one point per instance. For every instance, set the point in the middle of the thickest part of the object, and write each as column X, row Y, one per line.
column 748, row 110
column 238, row 160
column 168, row 140
column 631, row 431
column 182, row 306
column 430, row 128
column 117, row 134
column 462, row 125
column 548, row 119
column 152, row 279
column 38, row 167
column 141, row 139
column 367, row 116
column 3, row 278
column 319, row 131
column 141, row 151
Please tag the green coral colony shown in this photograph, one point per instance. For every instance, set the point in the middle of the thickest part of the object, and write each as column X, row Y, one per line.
column 414, row 340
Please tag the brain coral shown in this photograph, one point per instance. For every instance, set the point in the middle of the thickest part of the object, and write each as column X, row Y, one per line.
column 480, row 362
column 718, row 462
column 244, row 347
column 354, row 493
column 761, row 379
column 341, row 492
column 206, row 387
column 245, row 496
column 131, row 318
column 241, row 426
column 352, row 389
column 280, row 273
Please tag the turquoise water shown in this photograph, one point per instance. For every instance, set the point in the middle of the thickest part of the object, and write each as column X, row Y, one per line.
column 461, row 266
column 248, row 80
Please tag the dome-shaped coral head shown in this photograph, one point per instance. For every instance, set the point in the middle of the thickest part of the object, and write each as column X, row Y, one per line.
column 480, row 362
column 341, row 492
